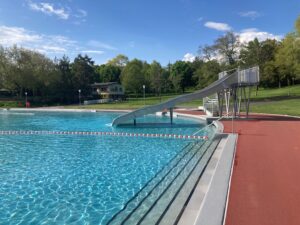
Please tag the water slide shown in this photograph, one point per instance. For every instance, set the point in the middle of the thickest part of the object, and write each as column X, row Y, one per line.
column 244, row 77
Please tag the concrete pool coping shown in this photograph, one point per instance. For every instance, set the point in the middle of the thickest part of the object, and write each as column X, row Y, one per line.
column 208, row 202
column 50, row 109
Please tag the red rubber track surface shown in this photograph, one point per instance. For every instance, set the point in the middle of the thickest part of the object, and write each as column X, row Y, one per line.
column 265, row 186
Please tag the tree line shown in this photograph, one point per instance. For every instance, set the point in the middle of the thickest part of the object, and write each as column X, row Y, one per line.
column 58, row 80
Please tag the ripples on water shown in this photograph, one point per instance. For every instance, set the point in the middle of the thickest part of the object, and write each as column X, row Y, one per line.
column 77, row 179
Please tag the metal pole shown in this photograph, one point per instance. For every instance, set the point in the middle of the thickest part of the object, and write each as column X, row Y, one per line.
column 79, row 96
column 248, row 101
column 220, row 103
column 232, row 127
column 171, row 115
column 26, row 99
column 234, row 101
column 144, row 94
column 227, row 101
column 240, row 99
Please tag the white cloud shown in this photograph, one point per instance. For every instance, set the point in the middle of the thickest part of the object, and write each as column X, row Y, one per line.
column 80, row 16
column 250, row 14
column 40, row 42
column 52, row 49
column 189, row 57
column 51, row 45
column 17, row 35
column 218, row 26
column 247, row 35
column 49, row 9
column 81, row 13
column 99, row 52
column 98, row 44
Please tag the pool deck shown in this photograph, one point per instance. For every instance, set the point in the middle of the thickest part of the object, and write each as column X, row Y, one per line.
column 265, row 185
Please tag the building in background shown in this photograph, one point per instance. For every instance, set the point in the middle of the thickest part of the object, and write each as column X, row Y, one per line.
column 109, row 90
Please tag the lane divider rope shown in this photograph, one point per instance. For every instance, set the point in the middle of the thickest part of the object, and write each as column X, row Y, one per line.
column 100, row 133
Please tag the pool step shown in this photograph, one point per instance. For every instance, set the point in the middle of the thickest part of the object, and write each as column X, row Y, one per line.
column 136, row 200
column 172, row 190
column 168, row 208
column 172, row 179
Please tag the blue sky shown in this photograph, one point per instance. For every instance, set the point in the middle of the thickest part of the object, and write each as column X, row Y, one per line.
column 163, row 30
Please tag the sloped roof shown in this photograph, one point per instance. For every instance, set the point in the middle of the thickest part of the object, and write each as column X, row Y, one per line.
column 104, row 84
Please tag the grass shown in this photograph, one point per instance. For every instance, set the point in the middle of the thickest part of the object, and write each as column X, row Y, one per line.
column 285, row 107
column 9, row 104
column 276, row 93
column 275, row 101
column 135, row 103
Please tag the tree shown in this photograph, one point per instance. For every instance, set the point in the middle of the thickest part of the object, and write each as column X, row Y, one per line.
column 83, row 73
column 119, row 61
column 30, row 71
column 271, row 76
column 228, row 46
column 133, row 77
column 3, row 67
column 156, row 78
column 207, row 52
column 207, row 73
column 181, row 75
column 109, row 73
column 256, row 53
column 287, row 59
column 250, row 55
column 66, row 90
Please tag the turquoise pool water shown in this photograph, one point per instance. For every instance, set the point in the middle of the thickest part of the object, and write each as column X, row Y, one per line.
column 65, row 179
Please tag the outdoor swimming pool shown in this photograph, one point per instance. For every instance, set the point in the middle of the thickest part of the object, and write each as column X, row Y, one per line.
column 57, row 179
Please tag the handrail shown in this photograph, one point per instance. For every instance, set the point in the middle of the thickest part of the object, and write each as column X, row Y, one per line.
column 207, row 126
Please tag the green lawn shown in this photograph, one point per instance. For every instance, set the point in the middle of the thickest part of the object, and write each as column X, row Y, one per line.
column 276, row 93
column 275, row 101
column 135, row 103
column 9, row 104
column 286, row 107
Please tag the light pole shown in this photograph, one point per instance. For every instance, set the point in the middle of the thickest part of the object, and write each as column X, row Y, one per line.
column 26, row 99
column 79, row 96
column 144, row 87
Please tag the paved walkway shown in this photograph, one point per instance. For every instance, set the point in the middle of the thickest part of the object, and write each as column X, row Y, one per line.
column 265, row 187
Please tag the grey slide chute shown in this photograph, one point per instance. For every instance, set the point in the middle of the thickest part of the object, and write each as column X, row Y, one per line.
column 246, row 77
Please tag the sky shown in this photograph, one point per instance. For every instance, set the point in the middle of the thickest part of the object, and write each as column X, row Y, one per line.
column 165, row 30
